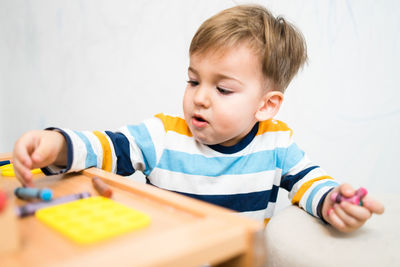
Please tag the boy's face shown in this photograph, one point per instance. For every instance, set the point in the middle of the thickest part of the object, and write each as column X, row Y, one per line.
column 223, row 94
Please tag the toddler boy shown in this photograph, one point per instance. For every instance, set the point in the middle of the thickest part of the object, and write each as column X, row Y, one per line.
column 227, row 150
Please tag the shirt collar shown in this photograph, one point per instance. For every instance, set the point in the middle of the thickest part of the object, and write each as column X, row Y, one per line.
column 239, row 146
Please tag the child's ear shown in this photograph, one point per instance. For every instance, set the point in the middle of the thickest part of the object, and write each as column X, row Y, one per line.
column 269, row 106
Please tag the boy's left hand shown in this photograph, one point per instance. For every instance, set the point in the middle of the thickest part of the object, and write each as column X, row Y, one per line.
column 347, row 217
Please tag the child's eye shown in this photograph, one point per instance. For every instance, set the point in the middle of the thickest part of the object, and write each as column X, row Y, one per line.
column 193, row 83
column 224, row 91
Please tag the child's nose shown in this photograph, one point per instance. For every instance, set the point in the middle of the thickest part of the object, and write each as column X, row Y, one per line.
column 201, row 97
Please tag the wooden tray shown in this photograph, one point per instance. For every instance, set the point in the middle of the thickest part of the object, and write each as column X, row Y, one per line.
column 183, row 231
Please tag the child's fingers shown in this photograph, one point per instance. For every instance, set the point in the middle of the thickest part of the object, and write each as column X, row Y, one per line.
column 335, row 221
column 346, row 218
column 22, row 150
column 22, row 173
column 22, row 162
column 45, row 152
column 40, row 154
column 346, row 190
column 373, row 205
column 39, row 157
column 358, row 212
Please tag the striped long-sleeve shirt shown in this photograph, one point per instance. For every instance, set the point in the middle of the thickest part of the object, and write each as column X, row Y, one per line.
column 244, row 177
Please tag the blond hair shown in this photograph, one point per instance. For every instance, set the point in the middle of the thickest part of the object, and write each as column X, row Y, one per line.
column 280, row 46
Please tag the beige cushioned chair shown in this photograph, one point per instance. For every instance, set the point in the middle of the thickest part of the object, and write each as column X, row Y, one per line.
column 295, row 238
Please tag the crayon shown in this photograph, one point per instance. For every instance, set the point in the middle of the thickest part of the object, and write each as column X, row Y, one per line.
column 31, row 208
column 102, row 187
column 3, row 200
column 8, row 170
column 29, row 193
column 4, row 162
column 356, row 199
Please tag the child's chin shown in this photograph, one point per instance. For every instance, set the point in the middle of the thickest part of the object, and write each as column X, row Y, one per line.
column 204, row 141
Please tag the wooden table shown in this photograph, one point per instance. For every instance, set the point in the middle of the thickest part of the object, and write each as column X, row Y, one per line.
column 183, row 231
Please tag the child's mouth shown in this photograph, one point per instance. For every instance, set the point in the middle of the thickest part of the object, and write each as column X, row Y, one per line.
column 199, row 121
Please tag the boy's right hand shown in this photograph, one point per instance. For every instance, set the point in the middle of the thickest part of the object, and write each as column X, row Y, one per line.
column 38, row 149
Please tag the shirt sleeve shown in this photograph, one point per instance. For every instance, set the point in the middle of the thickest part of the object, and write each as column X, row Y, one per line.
column 122, row 152
column 306, row 182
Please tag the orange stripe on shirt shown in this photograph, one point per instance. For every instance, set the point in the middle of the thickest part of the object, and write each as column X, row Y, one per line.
column 174, row 124
column 272, row 126
column 299, row 194
column 107, row 155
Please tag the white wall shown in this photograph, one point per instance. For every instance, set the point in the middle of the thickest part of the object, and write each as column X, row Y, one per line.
column 102, row 64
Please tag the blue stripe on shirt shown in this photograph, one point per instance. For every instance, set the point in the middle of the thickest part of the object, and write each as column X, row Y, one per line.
column 122, row 152
column 274, row 193
column 91, row 158
column 288, row 158
column 145, row 143
column 239, row 202
column 289, row 181
column 314, row 192
column 196, row 164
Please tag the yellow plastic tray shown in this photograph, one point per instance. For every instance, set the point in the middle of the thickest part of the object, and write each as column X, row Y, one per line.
column 93, row 219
